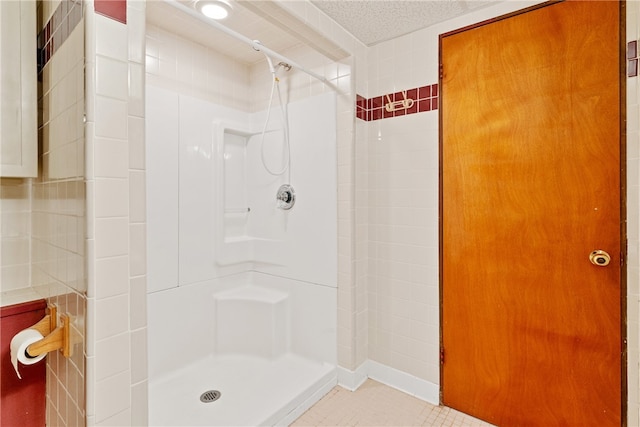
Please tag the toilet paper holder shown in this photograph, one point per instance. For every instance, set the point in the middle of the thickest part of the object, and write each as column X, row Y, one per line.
column 55, row 337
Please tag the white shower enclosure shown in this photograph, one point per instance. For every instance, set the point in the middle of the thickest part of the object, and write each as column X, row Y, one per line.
column 242, row 294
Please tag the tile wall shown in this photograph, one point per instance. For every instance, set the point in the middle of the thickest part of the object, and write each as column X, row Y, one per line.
column 402, row 206
column 402, row 275
column 58, row 215
column 403, row 215
column 137, row 212
column 192, row 69
column 15, row 233
column 402, row 103
column 116, row 225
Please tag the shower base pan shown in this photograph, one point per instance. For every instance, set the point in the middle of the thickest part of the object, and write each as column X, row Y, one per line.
column 253, row 391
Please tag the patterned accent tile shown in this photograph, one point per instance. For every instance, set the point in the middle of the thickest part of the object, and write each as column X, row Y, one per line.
column 632, row 49
column 55, row 32
column 632, row 58
column 410, row 101
column 114, row 9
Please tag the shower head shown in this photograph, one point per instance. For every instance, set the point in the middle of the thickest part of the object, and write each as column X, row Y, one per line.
column 257, row 46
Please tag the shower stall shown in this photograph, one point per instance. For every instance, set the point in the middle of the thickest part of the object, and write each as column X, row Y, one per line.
column 242, row 239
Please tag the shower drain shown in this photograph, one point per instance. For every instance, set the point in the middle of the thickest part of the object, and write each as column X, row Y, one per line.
column 210, row 396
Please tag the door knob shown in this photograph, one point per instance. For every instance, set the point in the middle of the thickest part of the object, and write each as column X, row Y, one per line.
column 599, row 258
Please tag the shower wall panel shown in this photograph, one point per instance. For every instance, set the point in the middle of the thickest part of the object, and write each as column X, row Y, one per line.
column 182, row 178
column 162, row 192
column 198, row 202
column 307, row 233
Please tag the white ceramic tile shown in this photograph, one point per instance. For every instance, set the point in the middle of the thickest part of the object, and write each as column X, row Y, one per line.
column 90, row 91
column 112, row 78
column 136, row 143
column 14, row 251
column 112, row 237
column 136, row 6
column 89, row 151
column 111, row 158
column 111, row 118
column 13, row 277
column 167, row 69
column 111, row 317
column 121, row 419
column 139, row 404
column 137, row 196
column 90, row 373
column 152, row 65
column 111, row 197
column 112, row 356
column 138, row 300
column 112, row 397
column 633, row 414
column 110, row 38
column 136, row 30
column 137, row 249
column 111, row 276
column 136, row 89
column 139, row 371
column 90, row 258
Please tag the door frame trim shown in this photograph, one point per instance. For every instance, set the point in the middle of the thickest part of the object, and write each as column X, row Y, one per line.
column 623, row 190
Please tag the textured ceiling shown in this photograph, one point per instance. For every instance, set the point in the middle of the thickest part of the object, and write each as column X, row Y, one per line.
column 374, row 21
column 370, row 21
column 260, row 20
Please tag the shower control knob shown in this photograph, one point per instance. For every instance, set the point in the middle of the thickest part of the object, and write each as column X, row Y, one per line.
column 286, row 197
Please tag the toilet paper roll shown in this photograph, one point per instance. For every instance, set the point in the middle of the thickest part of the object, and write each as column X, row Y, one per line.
column 19, row 344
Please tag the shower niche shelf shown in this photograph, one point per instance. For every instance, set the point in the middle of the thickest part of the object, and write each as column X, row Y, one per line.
column 232, row 217
column 234, row 243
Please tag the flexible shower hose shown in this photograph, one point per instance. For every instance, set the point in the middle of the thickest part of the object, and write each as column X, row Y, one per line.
column 285, row 126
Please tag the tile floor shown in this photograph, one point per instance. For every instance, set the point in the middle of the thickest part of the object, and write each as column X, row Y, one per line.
column 375, row 404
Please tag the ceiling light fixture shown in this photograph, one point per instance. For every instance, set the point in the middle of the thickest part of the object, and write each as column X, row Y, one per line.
column 214, row 9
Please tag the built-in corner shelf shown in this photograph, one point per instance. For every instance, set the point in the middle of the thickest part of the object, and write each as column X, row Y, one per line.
column 18, row 296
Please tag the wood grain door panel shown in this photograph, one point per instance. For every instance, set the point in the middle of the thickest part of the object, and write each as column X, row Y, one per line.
column 531, row 184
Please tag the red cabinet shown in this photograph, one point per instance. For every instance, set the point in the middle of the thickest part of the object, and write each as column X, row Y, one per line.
column 22, row 402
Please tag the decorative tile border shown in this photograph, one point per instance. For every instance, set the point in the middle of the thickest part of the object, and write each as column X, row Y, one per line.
column 632, row 58
column 411, row 101
column 62, row 23
column 114, row 9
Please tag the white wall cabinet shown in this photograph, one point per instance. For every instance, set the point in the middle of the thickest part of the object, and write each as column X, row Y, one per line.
column 18, row 89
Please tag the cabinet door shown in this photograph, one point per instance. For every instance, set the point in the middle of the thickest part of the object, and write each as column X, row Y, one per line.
column 18, row 103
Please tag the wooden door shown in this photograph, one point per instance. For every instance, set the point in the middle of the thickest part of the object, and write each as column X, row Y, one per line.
column 531, row 156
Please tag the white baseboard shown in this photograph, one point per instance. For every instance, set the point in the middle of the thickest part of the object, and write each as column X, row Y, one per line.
column 410, row 384
column 352, row 380
column 407, row 383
